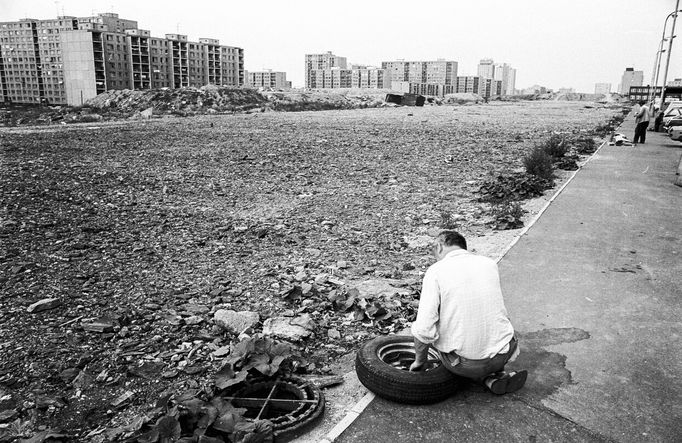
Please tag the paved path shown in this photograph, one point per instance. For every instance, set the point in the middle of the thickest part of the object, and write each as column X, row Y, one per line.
column 594, row 289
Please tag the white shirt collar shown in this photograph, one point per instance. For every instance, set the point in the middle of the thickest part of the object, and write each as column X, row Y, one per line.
column 456, row 252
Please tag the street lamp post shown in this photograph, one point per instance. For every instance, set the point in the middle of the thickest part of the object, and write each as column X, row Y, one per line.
column 657, row 62
column 670, row 47
column 654, row 75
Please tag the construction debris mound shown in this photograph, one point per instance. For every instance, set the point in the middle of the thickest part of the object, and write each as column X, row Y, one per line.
column 214, row 99
column 187, row 100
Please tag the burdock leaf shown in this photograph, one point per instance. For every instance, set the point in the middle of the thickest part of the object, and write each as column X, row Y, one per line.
column 227, row 377
column 226, row 422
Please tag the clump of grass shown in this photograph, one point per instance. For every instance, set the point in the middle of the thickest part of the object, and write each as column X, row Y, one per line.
column 539, row 164
column 515, row 186
column 585, row 145
column 556, row 146
column 507, row 215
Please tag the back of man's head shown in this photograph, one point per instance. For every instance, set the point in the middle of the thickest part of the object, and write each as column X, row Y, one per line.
column 452, row 238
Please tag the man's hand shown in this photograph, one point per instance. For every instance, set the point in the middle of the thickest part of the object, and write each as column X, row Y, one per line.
column 416, row 366
column 421, row 352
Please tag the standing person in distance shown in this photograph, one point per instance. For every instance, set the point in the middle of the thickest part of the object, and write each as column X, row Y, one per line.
column 642, row 121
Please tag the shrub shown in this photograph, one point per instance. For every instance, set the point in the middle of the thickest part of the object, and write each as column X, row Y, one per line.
column 519, row 186
column 539, row 164
column 556, row 146
column 507, row 215
column 567, row 163
column 602, row 130
column 612, row 124
column 585, row 145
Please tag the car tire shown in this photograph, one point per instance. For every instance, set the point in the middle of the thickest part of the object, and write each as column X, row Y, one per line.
column 400, row 385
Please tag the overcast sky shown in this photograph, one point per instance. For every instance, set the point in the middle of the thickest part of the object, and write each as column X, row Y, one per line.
column 554, row 43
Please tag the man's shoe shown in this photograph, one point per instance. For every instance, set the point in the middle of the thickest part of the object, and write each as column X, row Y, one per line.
column 503, row 383
column 497, row 383
column 516, row 381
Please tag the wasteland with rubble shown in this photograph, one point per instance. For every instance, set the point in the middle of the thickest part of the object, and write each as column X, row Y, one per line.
column 149, row 264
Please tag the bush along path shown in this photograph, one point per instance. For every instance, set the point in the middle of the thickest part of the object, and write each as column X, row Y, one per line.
column 505, row 191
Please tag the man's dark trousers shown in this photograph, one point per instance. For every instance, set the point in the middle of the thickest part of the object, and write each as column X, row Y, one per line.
column 640, row 132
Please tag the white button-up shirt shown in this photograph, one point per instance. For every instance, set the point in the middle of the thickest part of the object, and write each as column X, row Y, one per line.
column 461, row 307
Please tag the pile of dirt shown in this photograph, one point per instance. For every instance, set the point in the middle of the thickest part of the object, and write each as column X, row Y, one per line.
column 206, row 99
column 323, row 100
column 136, row 104
column 580, row 97
column 461, row 98
column 213, row 99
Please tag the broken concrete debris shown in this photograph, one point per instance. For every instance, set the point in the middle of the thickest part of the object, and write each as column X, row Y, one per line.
column 44, row 305
column 235, row 322
column 294, row 329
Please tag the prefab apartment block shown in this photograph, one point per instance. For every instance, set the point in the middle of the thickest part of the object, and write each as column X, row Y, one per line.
column 69, row 60
column 268, row 79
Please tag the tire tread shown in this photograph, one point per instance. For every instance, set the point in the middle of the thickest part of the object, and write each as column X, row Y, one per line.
column 399, row 385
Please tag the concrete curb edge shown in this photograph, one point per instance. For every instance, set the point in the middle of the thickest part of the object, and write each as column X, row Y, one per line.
column 544, row 208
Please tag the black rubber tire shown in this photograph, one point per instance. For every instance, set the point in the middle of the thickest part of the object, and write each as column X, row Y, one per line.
column 399, row 385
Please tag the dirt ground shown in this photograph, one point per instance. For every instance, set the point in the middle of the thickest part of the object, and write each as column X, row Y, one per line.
column 145, row 228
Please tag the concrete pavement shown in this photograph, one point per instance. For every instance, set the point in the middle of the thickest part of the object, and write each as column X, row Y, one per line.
column 594, row 289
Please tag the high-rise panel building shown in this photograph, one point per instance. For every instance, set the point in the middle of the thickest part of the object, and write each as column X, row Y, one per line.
column 486, row 68
column 329, row 71
column 69, row 60
column 317, row 62
column 502, row 72
column 357, row 78
column 507, row 75
column 485, row 87
column 602, row 88
column 267, row 79
column 630, row 78
column 439, row 72
column 435, row 78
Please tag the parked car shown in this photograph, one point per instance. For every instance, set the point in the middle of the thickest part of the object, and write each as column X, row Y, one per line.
column 676, row 133
column 671, row 113
column 672, row 123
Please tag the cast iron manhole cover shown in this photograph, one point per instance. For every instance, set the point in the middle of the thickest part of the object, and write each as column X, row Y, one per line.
column 291, row 404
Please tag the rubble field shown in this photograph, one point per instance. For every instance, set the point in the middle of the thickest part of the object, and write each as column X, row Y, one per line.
column 136, row 254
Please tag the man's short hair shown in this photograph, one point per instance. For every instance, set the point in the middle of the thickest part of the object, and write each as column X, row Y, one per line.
column 452, row 238
column 641, row 103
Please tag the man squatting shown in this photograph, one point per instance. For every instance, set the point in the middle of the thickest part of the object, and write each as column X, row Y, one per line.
column 462, row 315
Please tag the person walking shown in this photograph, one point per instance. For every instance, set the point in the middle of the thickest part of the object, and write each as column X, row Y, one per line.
column 642, row 122
column 462, row 315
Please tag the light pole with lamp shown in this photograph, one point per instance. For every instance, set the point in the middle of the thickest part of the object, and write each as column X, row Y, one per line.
column 657, row 61
column 670, row 47
column 654, row 74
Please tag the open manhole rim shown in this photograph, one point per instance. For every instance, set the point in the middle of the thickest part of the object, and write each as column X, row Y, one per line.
column 307, row 407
